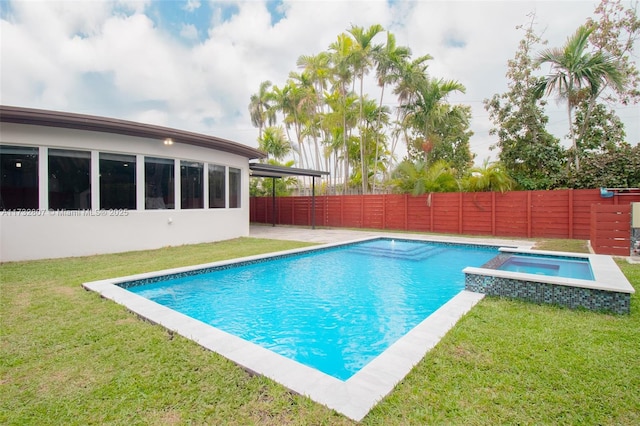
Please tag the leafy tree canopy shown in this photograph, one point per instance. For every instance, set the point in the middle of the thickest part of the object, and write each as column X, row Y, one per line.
column 332, row 124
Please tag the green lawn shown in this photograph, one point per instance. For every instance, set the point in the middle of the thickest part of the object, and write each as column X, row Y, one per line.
column 69, row 357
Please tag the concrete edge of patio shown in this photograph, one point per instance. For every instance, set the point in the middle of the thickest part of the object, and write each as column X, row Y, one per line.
column 333, row 235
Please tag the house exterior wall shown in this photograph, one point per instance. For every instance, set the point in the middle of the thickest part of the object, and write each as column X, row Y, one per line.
column 43, row 233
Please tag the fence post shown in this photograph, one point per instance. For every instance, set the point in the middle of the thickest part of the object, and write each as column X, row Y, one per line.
column 593, row 231
column 528, row 214
column 493, row 213
column 430, row 212
column 326, row 210
column 406, row 212
column 384, row 211
column 460, row 218
column 570, row 213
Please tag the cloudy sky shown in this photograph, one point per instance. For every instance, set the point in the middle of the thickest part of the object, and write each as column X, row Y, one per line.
column 193, row 64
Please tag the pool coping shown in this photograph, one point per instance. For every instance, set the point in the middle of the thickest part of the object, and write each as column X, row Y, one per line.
column 607, row 274
column 354, row 397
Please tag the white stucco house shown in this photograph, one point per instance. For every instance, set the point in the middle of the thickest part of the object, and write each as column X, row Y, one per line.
column 75, row 185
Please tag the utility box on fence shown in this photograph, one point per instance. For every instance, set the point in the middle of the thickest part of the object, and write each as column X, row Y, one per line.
column 635, row 229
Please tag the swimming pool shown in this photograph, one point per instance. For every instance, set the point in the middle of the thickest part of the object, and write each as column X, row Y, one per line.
column 353, row 397
column 335, row 309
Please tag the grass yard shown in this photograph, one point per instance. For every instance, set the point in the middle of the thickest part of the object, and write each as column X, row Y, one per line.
column 69, row 357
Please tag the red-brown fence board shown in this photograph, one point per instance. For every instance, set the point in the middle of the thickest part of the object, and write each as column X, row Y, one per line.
column 395, row 209
column 283, row 211
column 511, row 214
column 373, row 211
column 333, row 211
column 445, row 213
column 352, row 211
column 300, row 210
column 477, row 218
column 418, row 213
column 547, row 214
column 320, row 209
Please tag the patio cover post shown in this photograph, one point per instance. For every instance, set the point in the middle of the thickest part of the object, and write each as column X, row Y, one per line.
column 274, row 171
column 273, row 202
column 313, row 202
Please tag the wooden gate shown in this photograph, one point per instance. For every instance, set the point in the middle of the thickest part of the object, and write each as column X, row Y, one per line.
column 611, row 229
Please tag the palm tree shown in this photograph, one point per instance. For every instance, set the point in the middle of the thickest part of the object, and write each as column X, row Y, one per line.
column 491, row 176
column 417, row 178
column 578, row 75
column 390, row 60
column 289, row 100
column 342, row 74
column 338, row 122
column 411, row 74
column 361, row 57
column 283, row 102
column 274, row 142
column 317, row 69
column 429, row 112
column 373, row 137
column 306, row 110
column 260, row 108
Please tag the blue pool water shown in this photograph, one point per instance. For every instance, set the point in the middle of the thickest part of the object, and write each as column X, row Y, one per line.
column 332, row 309
column 551, row 266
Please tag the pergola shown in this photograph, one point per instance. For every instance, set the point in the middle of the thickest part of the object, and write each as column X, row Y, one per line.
column 274, row 172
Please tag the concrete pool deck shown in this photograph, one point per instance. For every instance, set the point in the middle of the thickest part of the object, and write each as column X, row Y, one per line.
column 335, row 235
column 354, row 397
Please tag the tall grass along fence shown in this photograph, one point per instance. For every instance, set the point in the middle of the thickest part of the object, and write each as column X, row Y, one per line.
column 530, row 214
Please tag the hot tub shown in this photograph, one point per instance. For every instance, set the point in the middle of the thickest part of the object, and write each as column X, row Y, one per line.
column 574, row 280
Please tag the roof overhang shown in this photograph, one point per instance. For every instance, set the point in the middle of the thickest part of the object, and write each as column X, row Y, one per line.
column 270, row 170
column 38, row 117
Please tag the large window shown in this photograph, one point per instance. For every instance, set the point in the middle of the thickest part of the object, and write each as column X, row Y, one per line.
column 117, row 181
column 18, row 177
column 216, row 186
column 159, row 183
column 69, row 180
column 191, row 188
column 235, row 192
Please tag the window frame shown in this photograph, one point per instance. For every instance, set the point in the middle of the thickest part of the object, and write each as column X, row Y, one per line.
column 188, row 199
column 86, row 191
column 167, row 202
column 117, row 191
column 235, row 187
column 24, row 194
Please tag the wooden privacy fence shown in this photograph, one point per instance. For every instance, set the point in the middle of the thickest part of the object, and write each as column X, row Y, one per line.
column 547, row 214
column 611, row 229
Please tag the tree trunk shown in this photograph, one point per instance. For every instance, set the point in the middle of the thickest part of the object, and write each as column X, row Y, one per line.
column 574, row 145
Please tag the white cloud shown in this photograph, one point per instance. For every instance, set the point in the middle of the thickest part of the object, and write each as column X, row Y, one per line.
column 117, row 59
column 189, row 32
column 152, row 116
column 192, row 5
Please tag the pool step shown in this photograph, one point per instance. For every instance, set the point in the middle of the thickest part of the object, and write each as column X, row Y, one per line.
column 415, row 253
